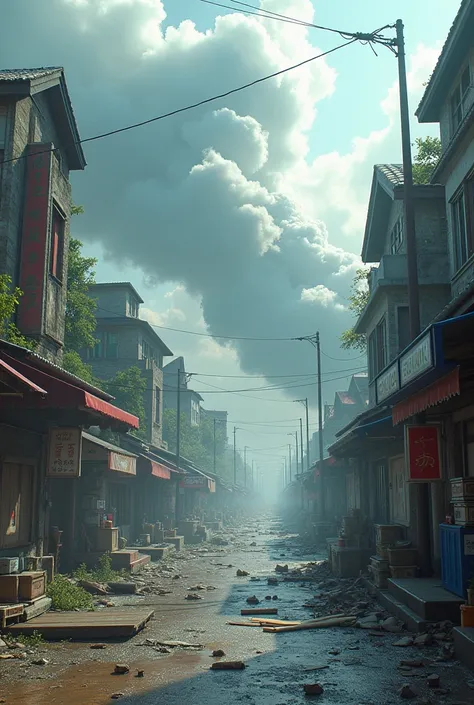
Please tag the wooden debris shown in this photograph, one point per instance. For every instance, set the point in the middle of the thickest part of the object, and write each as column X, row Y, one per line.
column 228, row 666
column 321, row 623
column 261, row 610
column 275, row 622
column 92, row 587
column 123, row 588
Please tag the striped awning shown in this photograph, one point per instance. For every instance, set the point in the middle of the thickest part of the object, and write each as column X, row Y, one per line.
column 441, row 390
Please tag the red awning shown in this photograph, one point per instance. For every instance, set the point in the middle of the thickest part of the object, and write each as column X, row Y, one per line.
column 107, row 409
column 439, row 391
column 159, row 470
column 24, row 380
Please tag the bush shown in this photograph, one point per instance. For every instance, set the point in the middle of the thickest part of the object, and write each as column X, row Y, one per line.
column 102, row 573
column 66, row 596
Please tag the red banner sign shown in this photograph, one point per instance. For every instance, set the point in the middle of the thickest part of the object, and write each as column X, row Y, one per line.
column 122, row 463
column 159, row 470
column 422, row 449
column 34, row 238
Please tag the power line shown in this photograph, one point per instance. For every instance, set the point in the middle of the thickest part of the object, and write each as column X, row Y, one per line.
column 191, row 106
column 343, row 359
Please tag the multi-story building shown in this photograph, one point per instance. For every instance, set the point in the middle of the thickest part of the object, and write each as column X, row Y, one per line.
column 124, row 340
column 190, row 400
column 39, row 146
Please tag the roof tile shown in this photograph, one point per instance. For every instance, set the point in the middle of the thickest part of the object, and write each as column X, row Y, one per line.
column 28, row 74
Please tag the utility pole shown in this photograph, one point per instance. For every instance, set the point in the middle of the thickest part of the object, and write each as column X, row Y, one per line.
column 301, row 444
column 235, row 457
column 322, row 488
column 295, row 434
column 307, row 434
column 253, row 475
column 289, row 459
column 178, row 439
column 408, row 201
column 215, row 446
column 245, row 466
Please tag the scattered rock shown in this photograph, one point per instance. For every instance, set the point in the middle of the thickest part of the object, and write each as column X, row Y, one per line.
column 275, row 597
column 117, row 696
column 272, row 581
column 193, row 596
column 412, row 663
column 407, row 692
column 268, row 597
column 196, row 587
column 433, row 681
column 40, row 662
column 423, row 640
column 140, row 674
column 406, row 641
column 2, row 644
column 313, row 689
column 228, row 666
column 254, row 543
column 121, row 668
column 98, row 646
column 281, row 568
column 253, row 600
column 334, row 652
column 389, row 622
column 218, row 653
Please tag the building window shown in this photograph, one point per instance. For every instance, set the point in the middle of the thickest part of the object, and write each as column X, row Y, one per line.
column 378, row 349
column 459, row 103
column 194, row 413
column 3, row 132
column 132, row 306
column 396, row 237
column 111, row 345
column 16, row 504
column 57, row 244
column 403, row 325
column 95, row 353
column 157, row 405
column 148, row 353
column 460, row 234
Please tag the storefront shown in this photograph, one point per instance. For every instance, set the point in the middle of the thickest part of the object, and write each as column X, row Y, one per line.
column 196, row 488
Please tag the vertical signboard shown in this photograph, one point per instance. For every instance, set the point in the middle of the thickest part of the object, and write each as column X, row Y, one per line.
column 34, row 250
column 422, row 448
column 64, row 452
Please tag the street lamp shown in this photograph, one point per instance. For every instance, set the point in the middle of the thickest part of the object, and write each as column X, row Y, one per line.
column 305, row 404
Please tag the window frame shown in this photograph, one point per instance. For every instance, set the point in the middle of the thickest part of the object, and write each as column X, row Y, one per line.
column 464, row 194
column 107, row 345
column 457, row 99
column 397, row 236
column 377, row 354
column 57, row 240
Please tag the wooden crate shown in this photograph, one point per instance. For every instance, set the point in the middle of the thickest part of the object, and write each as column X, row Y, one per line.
column 462, row 488
column 388, row 533
column 403, row 571
column 9, row 585
column 32, row 584
column 10, row 613
column 382, row 550
column 402, row 556
column 107, row 539
column 464, row 513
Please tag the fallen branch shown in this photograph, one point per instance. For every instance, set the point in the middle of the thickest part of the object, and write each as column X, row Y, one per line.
column 274, row 622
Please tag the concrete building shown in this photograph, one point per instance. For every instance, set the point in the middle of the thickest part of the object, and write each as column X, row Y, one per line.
column 384, row 321
column 39, row 146
column 190, row 400
column 125, row 340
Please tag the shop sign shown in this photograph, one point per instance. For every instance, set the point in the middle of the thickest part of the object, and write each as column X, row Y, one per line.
column 388, row 383
column 64, row 452
column 122, row 463
column 416, row 361
column 34, row 238
column 196, row 482
column 422, row 450
column 159, row 470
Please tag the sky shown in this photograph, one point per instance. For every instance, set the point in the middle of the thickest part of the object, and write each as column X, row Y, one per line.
column 243, row 218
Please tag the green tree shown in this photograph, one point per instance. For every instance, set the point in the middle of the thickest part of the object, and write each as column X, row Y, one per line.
column 427, row 157
column 72, row 363
column 129, row 387
column 196, row 442
column 350, row 340
column 9, row 299
column 80, row 308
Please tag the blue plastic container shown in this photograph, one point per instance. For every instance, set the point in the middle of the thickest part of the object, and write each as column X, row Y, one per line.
column 457, row 557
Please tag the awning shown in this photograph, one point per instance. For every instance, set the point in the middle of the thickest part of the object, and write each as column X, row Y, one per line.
column 22, row 379
column 159, row 470
column 441, row 390
column 64, row 395
column 366, row 428
column 117, row 459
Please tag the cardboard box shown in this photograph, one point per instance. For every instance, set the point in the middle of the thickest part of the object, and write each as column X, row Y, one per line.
column 9, row 585
column 32, row 584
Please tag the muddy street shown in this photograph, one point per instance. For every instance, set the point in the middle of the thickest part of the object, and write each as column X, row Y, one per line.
column 354, row 666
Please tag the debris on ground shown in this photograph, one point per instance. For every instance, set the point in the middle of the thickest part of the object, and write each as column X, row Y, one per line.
column 228, row 666
column 193, row 596
column 121, row 668
column 406, row 692
column 272, row 581
column 253, row 600
column 117, row 696
column 40, row 662
column 196, row 587
column 313, row 689
column 92, row 587
column 433, row 681
column 98, row 646
column 281, row 568
column 260, row 610
column 140, row 674
column 218, row 653
column 406, row 641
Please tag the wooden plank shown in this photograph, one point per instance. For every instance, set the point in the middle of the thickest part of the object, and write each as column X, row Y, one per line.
column 107, row 624
column 261, row 610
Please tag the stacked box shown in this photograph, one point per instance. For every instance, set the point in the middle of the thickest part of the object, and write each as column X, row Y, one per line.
column 462, row 498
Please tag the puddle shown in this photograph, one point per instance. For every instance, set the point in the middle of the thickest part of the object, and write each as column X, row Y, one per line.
column 93, row 683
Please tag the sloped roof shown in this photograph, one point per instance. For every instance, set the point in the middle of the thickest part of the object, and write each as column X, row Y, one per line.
column 345, row 398
column 457, row 44
column 23, row 82
column 116, row 285
column 392, row 172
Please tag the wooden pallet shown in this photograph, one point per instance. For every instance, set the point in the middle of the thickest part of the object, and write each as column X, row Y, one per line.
column 84, row 626
column 9, row 613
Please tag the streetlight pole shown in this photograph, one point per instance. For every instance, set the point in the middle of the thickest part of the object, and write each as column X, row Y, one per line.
column 245, row 466
column 214, row 465
column 305, row 404
column 178, row 441
column 289, row 460
column 235, row 457
column 301, row 444
column 295, row 434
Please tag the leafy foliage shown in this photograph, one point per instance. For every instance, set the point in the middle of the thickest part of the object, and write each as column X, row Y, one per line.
column 72, row 363
column 80, row 308
column 426, row 159
column 66, row 596
column 9, row 300
column 350, row 340
column 128, row 387
column 101, row 573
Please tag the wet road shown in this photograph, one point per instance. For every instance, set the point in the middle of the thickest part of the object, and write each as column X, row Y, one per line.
column 363, row 673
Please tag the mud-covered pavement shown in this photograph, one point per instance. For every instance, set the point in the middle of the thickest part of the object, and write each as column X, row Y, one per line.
column 354, row 666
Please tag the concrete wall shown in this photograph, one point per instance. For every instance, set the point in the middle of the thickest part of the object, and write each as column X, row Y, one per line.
column 113, row 301
column 29, row 122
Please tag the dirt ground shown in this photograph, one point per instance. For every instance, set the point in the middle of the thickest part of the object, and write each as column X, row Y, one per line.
column 358, row 668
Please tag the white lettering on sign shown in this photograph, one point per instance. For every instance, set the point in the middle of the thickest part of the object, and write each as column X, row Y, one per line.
column 416, row 361
column 122, row 463
column 388, row 383
column 469, row 545
column 64, row 452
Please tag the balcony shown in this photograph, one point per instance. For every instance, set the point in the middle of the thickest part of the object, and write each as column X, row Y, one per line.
column 433, row 269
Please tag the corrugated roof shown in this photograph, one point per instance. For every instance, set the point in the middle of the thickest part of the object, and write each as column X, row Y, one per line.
column 28, row 74
column 393, row 172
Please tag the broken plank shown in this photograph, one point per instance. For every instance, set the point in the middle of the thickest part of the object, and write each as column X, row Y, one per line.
column 262, row 610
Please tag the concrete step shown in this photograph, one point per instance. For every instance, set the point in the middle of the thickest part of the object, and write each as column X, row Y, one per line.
column 122, row 560
column 141, row 562
column 157, row 553
column 176, row 541
column 464, row 645
column 411, row 620
column 427, row 598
